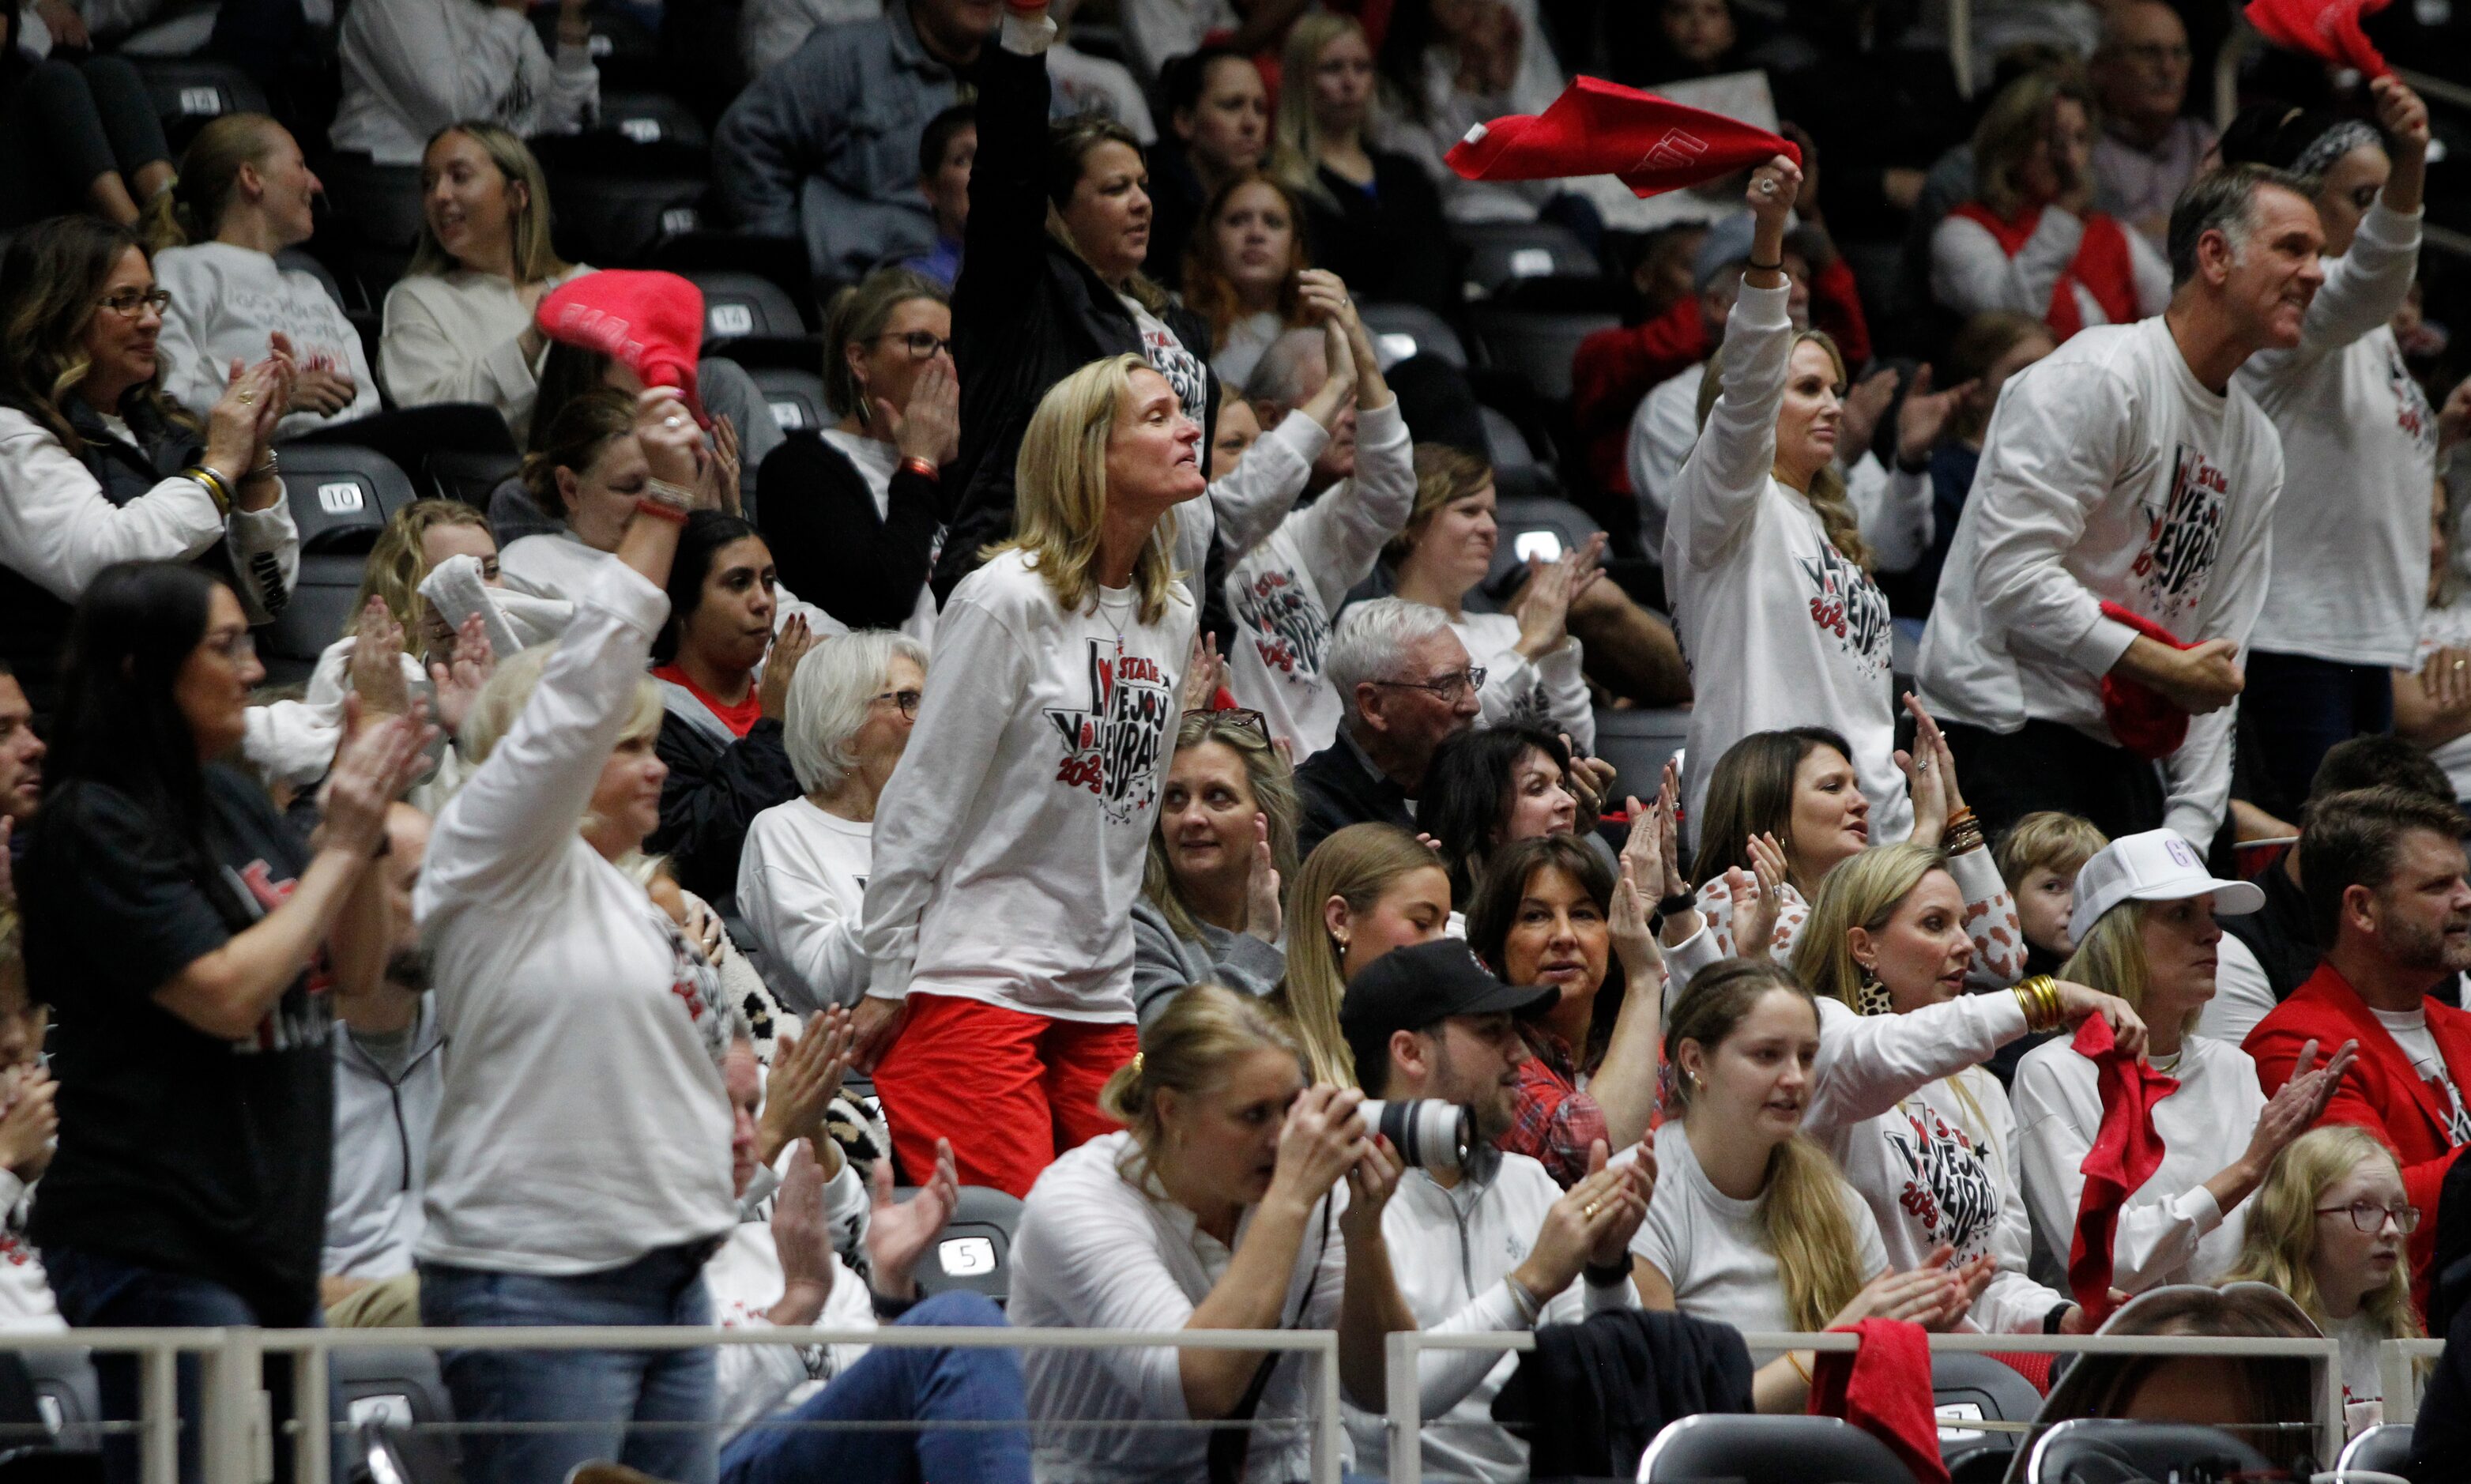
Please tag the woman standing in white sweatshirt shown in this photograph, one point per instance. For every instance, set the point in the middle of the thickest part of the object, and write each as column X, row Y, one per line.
column 2145, row 930
column 579, row 1170
column 458, row 326
column 1010, row 842
column 415, row 67
column 243, row 196
column 1770, row 577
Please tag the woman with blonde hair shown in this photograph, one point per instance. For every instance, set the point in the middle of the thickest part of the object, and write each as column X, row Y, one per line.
column 1214, row 1207
column 2145, row 930
column 1226, row 839
column 458, row 325
column 1749, row 1223
column 1011, row 844
column 1769, row 571
column 2329, row 1226
column 1919, row 1127
column 416, row 539
column 1363, row 891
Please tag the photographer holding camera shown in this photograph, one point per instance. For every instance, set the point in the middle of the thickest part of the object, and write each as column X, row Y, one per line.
column 1480, row 1239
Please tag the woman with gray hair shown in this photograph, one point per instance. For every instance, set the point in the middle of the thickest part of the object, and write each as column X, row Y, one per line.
column 802, row 874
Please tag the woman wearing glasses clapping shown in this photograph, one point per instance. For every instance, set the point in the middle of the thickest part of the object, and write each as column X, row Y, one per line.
column 98, row 466
column 802, row 875
column 2329, row 1226
column 1225, row 838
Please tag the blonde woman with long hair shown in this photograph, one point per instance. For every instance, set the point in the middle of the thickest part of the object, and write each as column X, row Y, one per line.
column 2145, row 930
column 1921, row 1129
column 1363, row 891
column 1010, row 842
column 1226, row 839
column 1749, row 1223
column 2330, row 1227
column 1769, row 571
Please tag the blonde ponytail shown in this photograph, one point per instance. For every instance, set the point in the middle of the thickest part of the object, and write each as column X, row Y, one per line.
column 1803, row 1221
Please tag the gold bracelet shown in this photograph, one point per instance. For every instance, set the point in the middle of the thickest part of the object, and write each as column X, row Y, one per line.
column 1794, row 1360
column 2039, row 998
column 2054, row 1012
column 218, row 489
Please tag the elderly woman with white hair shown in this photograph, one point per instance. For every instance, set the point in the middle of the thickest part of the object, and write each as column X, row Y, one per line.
column 802, row 875
column 579, row 1172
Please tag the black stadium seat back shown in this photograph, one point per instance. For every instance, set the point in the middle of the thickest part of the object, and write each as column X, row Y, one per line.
column 738, row 303
column 47, row 1464
column 399, row 1384
column 1536, row 347
column 1969, row 1387
column 393, row 1454
column 341, row 495
column 1403, row 330
column 191, row 92
column 1768, row 1450
column 648, row 119
column 295, row 260
column 796, row 397
column 2098, row 1450
column 1528, row 527
column 1503, row 440
column 468, row 475
column 320, row 612
column 781, row 260
column 974, row 1251
column 373, row 205
column 1501, row 256
column 1638, row 743
column 2383, row 1449
column 68, row 1394
column 617, row 220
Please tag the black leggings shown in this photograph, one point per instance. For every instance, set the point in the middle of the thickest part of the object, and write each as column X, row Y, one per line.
column 69, row 122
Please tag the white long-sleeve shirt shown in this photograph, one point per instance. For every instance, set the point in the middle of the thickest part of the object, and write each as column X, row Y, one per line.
column 1452, row 1248
column 2171, row 1230
column 1989, row 920
column 1971, row 272
column 802, row 889
column 745, row 1280
column 1010, row 842
column 411, row 67
column 453, row 338
column 2109, row 473
column 1781, row 629
column 584, row 1122
column 226, row 301
column 1283, row 594
column 1551, row 691
column 58, row 531
column 2359, row 449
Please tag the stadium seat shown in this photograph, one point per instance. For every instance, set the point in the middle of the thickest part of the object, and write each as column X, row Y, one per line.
column 1535, row 345
column 1402, row 330
column 738, row 303
column 1502, row 253
column 2099, row 1449
column 975, row 1250
column 341, row 496
column 191, row 92
column 796, row 397
column 1758, row 1450
column 1535, row 527
column 2385, row 1448
column 67, row 1392
column 468, row 475
column 1969, row 1387
column 613, row 219
column 1638, row 743
column 298, row 260
column 397, row 1403
column 1503, row 440
column 782, row 260
column 645, row 119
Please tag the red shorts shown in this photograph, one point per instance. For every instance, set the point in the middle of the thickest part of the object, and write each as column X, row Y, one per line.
column 1010, row 1088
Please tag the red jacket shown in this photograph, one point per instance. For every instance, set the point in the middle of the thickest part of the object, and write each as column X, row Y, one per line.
column 2382, row 1093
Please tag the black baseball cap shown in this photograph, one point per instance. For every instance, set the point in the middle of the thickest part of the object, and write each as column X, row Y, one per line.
column 1411, row 988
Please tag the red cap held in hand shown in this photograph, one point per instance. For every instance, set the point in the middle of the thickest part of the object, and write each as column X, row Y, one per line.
column 1650, row 144
column 651, row 323
column 2328, row 30
column 2144, row 722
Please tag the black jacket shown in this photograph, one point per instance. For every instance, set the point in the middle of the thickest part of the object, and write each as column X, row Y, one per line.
column 1591, row 1397
column 832, row 549
column 712, row 793
column 1387, row 241
column 1027, row 312
column 1337, row 791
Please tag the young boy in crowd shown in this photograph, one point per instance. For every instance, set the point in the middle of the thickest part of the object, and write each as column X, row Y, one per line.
column 2038, row 858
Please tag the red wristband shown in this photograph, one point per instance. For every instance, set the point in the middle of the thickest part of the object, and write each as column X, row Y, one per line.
column 648, row 505
column 924, row 468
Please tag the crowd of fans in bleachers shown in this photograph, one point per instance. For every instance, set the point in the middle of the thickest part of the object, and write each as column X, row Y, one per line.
column 1154, row 612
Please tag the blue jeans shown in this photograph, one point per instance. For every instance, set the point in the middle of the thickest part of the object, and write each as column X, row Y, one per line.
column 100, row 1292
column 898, row 1385
column 601, row 1398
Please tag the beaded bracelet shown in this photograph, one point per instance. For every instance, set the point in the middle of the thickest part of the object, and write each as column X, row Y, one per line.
column 660, row 509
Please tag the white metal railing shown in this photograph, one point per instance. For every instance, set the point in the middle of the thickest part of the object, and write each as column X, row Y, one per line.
column 1406, row 1418
column 2398, row 1367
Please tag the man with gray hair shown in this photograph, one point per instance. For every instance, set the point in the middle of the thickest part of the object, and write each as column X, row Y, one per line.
column 1407, row 686
column 2112, row 556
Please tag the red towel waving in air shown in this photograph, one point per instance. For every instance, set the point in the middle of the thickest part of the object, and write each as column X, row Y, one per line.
column 651, row 323
column 2125, row 1154
column 2328, row 30
column 1596, row 127
column 1884, row 1388
column 2144, row 722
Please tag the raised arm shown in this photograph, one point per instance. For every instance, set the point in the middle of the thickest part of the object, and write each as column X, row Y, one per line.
column 2365, row 286
column 1720, row 484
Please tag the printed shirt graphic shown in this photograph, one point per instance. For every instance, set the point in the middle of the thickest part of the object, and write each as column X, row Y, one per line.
column 2411, row 412
column 1283, row 623
column 1112, row 748
column 2182, row 542
column 296, row 1019
column 1844, row 602
column 1169, row 357
column 1946, row 1187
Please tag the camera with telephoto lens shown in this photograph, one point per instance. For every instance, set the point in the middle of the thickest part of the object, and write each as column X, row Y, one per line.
column 1431, row 1133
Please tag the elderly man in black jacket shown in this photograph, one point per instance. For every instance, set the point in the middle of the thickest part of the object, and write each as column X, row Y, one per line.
column 1408, row 685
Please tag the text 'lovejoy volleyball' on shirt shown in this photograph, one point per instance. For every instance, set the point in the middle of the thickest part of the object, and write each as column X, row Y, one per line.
column 1009, row 843
column 2109, row 473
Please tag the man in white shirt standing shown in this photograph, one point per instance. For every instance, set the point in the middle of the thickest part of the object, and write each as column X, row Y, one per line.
column 1496, row 1245
column 2126, row 469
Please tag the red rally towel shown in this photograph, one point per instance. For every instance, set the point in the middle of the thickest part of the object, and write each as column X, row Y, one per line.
column 1597, row 128
column 2125, row 1154
column 2144, row 722
column 2328, row 30
column 650, row 323
column 1884, row 1388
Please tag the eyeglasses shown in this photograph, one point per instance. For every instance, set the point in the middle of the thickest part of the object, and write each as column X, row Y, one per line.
column 1236, row 715
column 235, row 647
column 1448, row 687
column 920, row 344
column 906, row 700
column 2371, row 1218
column 133, row 303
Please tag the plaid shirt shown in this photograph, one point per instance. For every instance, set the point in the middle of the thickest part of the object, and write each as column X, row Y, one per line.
column 1555, row 1122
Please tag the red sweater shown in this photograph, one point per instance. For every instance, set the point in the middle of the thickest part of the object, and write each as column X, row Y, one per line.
column 1613, row 369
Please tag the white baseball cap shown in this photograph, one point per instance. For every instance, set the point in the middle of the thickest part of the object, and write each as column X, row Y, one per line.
column 2154, row 866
